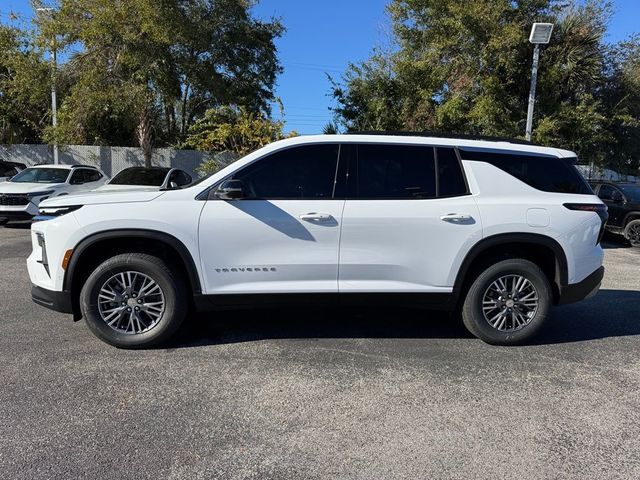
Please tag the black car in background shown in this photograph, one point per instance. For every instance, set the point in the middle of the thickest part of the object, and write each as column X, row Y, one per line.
column 10, row 169
column 148, row 178
column 623, row 201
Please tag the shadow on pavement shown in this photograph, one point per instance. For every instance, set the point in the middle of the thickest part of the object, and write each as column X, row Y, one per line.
column 613, row 241
column 295, row 323
column 612, row 313
column 23, row 225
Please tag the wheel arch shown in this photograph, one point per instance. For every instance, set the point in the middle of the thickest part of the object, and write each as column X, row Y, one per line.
column 631, row 216
column 530, row 246
column 120, row 240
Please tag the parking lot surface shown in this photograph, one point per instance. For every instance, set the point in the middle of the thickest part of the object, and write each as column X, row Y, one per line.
column 322, row 393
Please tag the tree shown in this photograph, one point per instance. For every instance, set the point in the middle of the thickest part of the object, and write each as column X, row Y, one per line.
column 24, row 88
column 233, row 131
column 464, row 67
column 147, row 69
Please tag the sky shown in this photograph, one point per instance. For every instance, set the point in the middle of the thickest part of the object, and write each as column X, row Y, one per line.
column 322, row 37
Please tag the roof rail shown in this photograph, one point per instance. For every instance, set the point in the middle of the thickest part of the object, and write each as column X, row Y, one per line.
column 84, row 166
column 446, row 135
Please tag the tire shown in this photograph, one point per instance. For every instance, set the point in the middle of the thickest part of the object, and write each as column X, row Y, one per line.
column 632, row 232
column 524, row 321
column 145, row 316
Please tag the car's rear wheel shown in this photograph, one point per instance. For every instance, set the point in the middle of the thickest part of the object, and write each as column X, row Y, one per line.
column 632, row 233
column 133, row 300
column 507, row 303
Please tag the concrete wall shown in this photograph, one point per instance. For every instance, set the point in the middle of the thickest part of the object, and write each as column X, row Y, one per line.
column 108, row 159
column 596, row 173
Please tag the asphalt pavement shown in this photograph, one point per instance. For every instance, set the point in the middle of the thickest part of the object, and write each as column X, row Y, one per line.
column 318, row 394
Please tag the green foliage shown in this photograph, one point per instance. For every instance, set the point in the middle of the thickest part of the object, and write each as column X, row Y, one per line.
column 147, row 69
column 330, row 129
column 233, row 130
column 208, row 167
column 24, row 88
column 465, row 67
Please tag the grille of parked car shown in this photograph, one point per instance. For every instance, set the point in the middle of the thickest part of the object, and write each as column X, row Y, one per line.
column 13, row 200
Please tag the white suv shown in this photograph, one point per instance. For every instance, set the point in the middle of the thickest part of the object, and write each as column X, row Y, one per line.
column 495, row 230
column 21, row 195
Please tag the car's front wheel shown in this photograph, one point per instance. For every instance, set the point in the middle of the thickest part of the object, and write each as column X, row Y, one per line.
column 133, row 300
column 632, row 233
column 507, row 303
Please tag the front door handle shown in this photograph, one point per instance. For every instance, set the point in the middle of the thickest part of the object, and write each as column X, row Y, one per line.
column 315, row 217
column 456, row 217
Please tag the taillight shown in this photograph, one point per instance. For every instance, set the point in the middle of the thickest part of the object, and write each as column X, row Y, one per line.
column 599, row 208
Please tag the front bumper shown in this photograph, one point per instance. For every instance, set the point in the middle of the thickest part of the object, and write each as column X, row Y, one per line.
column 57, row 301
column 585, row 289
column 15, row 215
column 18, row 212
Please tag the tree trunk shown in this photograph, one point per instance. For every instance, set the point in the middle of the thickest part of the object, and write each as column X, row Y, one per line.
column 143, row 132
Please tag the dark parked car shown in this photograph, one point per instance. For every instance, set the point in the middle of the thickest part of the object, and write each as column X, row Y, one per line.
column 10, row 169
column 623, row 201
column 154, row 178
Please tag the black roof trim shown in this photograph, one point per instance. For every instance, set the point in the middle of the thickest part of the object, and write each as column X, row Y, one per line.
column 614, row 182
column 84, row 166
column 489, row 138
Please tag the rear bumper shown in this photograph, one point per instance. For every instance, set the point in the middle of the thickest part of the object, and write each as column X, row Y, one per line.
column 585, row 289
column 57, row 301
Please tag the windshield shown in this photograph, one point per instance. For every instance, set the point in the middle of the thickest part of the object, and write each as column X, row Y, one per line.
column 150, row 177
column 42, row 175
column 632, row 192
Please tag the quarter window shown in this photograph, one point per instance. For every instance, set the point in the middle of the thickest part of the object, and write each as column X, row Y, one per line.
column 549, row 174
column 305, row 172
column 395, row 172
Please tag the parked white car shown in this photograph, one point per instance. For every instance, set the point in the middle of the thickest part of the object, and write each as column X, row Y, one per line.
column 148, row 178
column 497, row 231
column 21, row 195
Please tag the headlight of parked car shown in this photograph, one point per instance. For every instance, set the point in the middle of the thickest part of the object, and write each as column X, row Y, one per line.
column 39, row 194
column 47, row 213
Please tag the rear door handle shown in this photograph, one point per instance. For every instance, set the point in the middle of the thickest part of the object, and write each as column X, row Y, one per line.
column 456, row 217
column 315, row 217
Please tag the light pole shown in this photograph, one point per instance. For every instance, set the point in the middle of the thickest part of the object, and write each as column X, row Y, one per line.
column 54, row 68
column 540, row 35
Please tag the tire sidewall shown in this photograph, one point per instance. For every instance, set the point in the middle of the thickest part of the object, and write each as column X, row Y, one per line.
column 472, row 309
column 171, row 287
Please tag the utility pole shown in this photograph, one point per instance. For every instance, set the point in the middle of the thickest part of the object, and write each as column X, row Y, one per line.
column 54, row 69
column 540, row 35
column 532, row 91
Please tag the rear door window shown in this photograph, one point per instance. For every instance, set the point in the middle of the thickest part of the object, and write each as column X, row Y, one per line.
column 451, row 182
column 395, row 172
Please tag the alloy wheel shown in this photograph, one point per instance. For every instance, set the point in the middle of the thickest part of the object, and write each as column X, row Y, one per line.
column 633, row 234
column 131, row 302
column 510, row 303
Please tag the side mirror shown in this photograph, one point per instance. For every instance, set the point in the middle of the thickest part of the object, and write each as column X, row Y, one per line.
column 173, row 185
column 617, row 198
column 231, row 190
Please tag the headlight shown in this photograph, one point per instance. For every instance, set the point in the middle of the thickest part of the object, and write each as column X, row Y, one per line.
column 40, row 194
column 48, row 213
